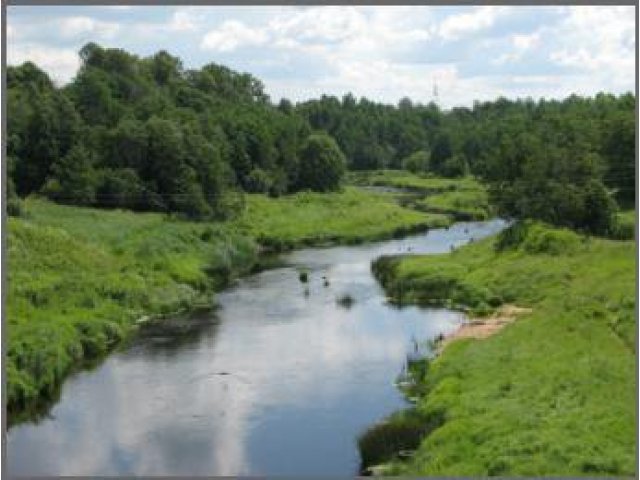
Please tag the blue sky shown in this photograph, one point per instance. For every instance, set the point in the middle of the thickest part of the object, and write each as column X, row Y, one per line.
column 381, row 52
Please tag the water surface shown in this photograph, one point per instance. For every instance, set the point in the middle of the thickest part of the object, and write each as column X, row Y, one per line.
column 279, row 381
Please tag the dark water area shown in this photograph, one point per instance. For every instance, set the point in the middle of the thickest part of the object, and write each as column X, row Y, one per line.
column 280, row 380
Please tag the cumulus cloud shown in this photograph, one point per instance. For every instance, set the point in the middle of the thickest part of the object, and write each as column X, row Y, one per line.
column 521, row 44
column 231, row 35
column 598, row 39
column 81, row 26
column 460, row 25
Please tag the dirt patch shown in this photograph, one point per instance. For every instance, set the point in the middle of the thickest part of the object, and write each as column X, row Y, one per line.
column 485, row 327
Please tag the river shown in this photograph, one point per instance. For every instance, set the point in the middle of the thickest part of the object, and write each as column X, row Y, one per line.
column 280, row 380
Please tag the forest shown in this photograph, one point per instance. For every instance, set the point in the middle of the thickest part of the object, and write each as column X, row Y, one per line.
column 148, row 134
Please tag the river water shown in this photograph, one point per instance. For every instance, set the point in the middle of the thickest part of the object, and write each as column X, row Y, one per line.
column 280, row 380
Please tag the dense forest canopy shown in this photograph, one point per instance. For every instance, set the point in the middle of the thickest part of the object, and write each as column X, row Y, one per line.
column 148, row 134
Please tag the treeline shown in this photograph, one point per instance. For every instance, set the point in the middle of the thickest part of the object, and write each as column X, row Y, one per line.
column 569, row 162
column 148, row 134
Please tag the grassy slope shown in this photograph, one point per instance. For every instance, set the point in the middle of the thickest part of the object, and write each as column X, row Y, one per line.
column 553, row 393
column 80, row 277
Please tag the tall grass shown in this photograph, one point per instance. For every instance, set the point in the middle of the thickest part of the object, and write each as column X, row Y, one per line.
column 350, row 216
column 551, row 394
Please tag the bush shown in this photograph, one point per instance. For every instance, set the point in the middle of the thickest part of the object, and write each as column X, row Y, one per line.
column 533, row 237
column 400, row 432
column 416, row 162
column 624, row 227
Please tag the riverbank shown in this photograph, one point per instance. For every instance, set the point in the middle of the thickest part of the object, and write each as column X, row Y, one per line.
column 80, row 279
column 551, row 393
column 463, row 199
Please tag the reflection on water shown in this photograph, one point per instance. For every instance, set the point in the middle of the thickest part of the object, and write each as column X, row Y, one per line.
column 276, row 382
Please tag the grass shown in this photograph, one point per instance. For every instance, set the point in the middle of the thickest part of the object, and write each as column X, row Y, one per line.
column 460, row 198
column 350, row 216
column 553, row 393
column 407, row 180
column 469, row 204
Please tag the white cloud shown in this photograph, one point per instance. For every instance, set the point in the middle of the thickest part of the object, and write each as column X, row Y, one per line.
column 521, row 45
column 184, row 21
column 598, row 39
column 460, row 25
column 61, row 63
column 231, row 35
column 525, row 42
column 320, row 24
column 72, row 27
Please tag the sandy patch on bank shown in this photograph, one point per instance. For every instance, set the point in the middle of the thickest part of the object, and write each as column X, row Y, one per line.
column 485, row 327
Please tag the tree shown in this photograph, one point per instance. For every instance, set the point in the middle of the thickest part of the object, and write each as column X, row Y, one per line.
column 441, row 152
column 322, row 164
column 73, row 179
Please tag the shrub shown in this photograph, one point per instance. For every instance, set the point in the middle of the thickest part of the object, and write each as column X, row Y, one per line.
column 400, row 432
column 542, row 239
column 417, row 162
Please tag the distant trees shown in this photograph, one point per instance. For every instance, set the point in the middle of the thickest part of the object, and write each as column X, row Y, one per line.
column 148, row 134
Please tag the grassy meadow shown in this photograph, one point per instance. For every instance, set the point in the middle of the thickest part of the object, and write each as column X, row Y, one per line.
column 552, row 394
column 350, row 216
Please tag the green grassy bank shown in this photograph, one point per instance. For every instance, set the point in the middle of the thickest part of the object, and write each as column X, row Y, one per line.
column 352, row 216
column 460, row 198
column 79, row 279
column 552, row 394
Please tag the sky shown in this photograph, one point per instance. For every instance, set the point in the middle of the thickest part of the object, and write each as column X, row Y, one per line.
column 384, row 53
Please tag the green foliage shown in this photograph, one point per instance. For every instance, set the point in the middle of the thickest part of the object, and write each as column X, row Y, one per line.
column 400, row 433
column 551, row 394
column 535, row 238
column 416, row 162
column 624, row 226
column 210, row 131
column 322, row 164
column 72, row 178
